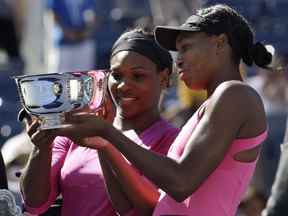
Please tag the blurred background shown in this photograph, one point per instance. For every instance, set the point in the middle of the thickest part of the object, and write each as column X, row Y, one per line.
column 47, row 36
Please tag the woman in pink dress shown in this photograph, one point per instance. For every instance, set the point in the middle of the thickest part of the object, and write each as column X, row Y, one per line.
column 140, row 71
column 211, row 162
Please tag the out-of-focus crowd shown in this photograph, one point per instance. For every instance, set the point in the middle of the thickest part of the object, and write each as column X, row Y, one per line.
column 61, row 36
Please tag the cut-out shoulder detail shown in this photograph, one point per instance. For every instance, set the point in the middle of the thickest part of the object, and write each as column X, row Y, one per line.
column 243, row 144
column 263, row 133
column 248, row 156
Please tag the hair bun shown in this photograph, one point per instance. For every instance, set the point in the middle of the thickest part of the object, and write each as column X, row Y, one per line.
column 260, row 55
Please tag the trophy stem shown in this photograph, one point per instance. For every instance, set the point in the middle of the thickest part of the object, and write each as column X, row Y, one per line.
column 51, row 121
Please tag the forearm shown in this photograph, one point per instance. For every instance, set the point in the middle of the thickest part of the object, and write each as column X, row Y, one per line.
column 142, row 194
column 163, row 171
column 118, row 198
column 35, row 180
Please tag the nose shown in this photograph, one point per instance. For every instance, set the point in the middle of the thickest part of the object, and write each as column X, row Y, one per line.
column 179, row 61
column 124, row 85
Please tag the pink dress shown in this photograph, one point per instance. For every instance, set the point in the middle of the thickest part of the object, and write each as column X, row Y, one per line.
column 221, row 193
column 77, row 174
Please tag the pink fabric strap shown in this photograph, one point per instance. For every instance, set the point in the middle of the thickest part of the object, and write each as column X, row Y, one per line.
column 242, row 144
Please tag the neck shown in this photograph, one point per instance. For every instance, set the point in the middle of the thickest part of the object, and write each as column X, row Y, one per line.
column 138, row 123
column 227, row 73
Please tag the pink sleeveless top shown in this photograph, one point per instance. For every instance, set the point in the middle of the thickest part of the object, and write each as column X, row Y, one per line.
column 221, row 193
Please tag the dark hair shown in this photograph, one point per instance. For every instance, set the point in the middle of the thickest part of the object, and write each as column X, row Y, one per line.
column 144, row 43
column 239, row 33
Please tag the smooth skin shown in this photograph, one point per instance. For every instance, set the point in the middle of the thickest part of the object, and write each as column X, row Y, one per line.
column 135, row 79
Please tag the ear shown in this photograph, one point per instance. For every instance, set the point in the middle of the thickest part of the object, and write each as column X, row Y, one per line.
column 221, row 42
column 164, row 78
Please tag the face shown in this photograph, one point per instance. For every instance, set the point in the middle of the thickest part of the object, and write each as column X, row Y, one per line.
column 135, row 84
column 196, row 58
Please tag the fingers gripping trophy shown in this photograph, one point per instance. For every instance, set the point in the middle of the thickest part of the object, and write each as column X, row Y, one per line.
column 49, row 96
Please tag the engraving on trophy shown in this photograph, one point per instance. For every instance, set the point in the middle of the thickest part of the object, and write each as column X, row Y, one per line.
column 57, row 89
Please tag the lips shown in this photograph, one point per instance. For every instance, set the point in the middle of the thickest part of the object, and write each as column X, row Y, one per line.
column 126, row 99
column 181, row 69
column 181, row 73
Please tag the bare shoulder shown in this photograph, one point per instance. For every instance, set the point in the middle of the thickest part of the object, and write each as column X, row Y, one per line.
column 246, row 102
column 237, row 90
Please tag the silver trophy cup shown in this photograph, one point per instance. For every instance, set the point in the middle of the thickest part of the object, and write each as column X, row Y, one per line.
column 49, row 96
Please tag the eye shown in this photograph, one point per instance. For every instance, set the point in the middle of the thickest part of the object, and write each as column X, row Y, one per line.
column 116, row 76
column 138, row 77
column 185, row 48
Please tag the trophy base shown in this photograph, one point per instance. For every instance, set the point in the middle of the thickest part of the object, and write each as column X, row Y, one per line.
column 52, row 121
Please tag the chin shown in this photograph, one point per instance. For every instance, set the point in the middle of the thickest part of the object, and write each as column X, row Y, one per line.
column 196, row 86
column 127, row 115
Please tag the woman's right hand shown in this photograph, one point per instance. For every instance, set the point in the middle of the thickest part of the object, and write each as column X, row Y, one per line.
column 42, row 139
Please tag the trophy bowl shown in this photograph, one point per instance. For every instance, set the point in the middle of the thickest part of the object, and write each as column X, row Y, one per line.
column 49, row 96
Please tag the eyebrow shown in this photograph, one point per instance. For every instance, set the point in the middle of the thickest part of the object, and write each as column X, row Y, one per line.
column 131, row 68
column 137, row 67
column 183, row 36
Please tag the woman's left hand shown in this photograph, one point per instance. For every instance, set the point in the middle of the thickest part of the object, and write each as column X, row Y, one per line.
column 82, row 125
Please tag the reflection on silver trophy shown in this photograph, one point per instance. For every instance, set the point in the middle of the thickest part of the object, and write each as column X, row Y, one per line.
column 49, row 96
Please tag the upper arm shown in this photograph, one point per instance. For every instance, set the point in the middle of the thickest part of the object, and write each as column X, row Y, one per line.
column 225, row 116
column 59, row 150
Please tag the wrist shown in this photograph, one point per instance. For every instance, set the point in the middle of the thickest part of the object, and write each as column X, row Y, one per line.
column 107, row 131
column 42, row 150
column 106, row 148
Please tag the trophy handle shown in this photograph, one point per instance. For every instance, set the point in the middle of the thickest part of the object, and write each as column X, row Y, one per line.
column 100, row 83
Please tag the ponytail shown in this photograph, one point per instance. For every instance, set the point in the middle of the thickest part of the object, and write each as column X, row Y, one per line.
column 257, row 54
